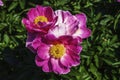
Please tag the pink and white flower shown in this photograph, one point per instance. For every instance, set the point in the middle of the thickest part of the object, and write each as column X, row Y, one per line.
column 68, row 24
column 1, row 3
column 39, row 19
column 57, row 55
column 55, row 38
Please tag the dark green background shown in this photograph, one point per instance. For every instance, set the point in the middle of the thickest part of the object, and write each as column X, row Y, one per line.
column 100, row 58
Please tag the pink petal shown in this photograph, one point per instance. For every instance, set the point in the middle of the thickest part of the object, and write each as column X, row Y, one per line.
column 67, row 61
column 40, row 62
column 69, row 40
column 27, row 24
column 71, row 58
column 31, row 15
column 57, row 67
column 25, row 21
column 81, row 18
column 49, row 39
column 36, row 42
column 75, row 41
column 74, row 49
column 62, row 15
column 65, row 39
column 83, row 32
column 40, row 10
column 47, row 67
column 30, row 38
column 59, row 30
column 43, row 51
column 49, row 13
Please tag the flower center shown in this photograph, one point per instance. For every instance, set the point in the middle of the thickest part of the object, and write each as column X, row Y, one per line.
column 57, row 51
column 40, row 19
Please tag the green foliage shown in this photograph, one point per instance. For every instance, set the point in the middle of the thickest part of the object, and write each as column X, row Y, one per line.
column 100, row 58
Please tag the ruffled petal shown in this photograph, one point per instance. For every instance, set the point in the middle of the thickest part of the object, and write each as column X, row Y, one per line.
column 47, row 67
column 66, row 60
column 70, row 60
column 31, row 15
column 57, row 67
column 75, row 41
column 36, row 42
column 65, row 39
column 61, row 28
column 25, row 21
column 49, row 13
column 81, row 19
column 40, row 10
column 30, row 38
column 43, row 51
column 74, row 49
column 27, row 24
column 40, row 62
column 62, row 15
column 69, row 40
column 49, row 39
column 83, row 32
column 71, row 25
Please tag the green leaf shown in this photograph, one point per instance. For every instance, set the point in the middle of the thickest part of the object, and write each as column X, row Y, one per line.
column 6, row 38
column 2, row 26
column 22, row 3
column 117, row 63
column 117, row 19
column 106, row 20
column 107, row 61
column 114, row 38
column 12, row 6
column 96, row 59
column 98, row 16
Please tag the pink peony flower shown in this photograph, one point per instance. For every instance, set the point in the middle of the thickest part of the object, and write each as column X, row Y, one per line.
column 39, row 19
column 57, row 55
column 1, row 3
column 55, row 38
column 68, row 24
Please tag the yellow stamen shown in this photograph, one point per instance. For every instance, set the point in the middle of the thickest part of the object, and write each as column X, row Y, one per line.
column 57, row 51
column 40, row 19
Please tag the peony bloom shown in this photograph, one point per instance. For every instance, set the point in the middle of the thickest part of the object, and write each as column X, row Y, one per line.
column 39, row 19
column 68, row 24
column 57, row 55
column 55, row 38
column 1, row 3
